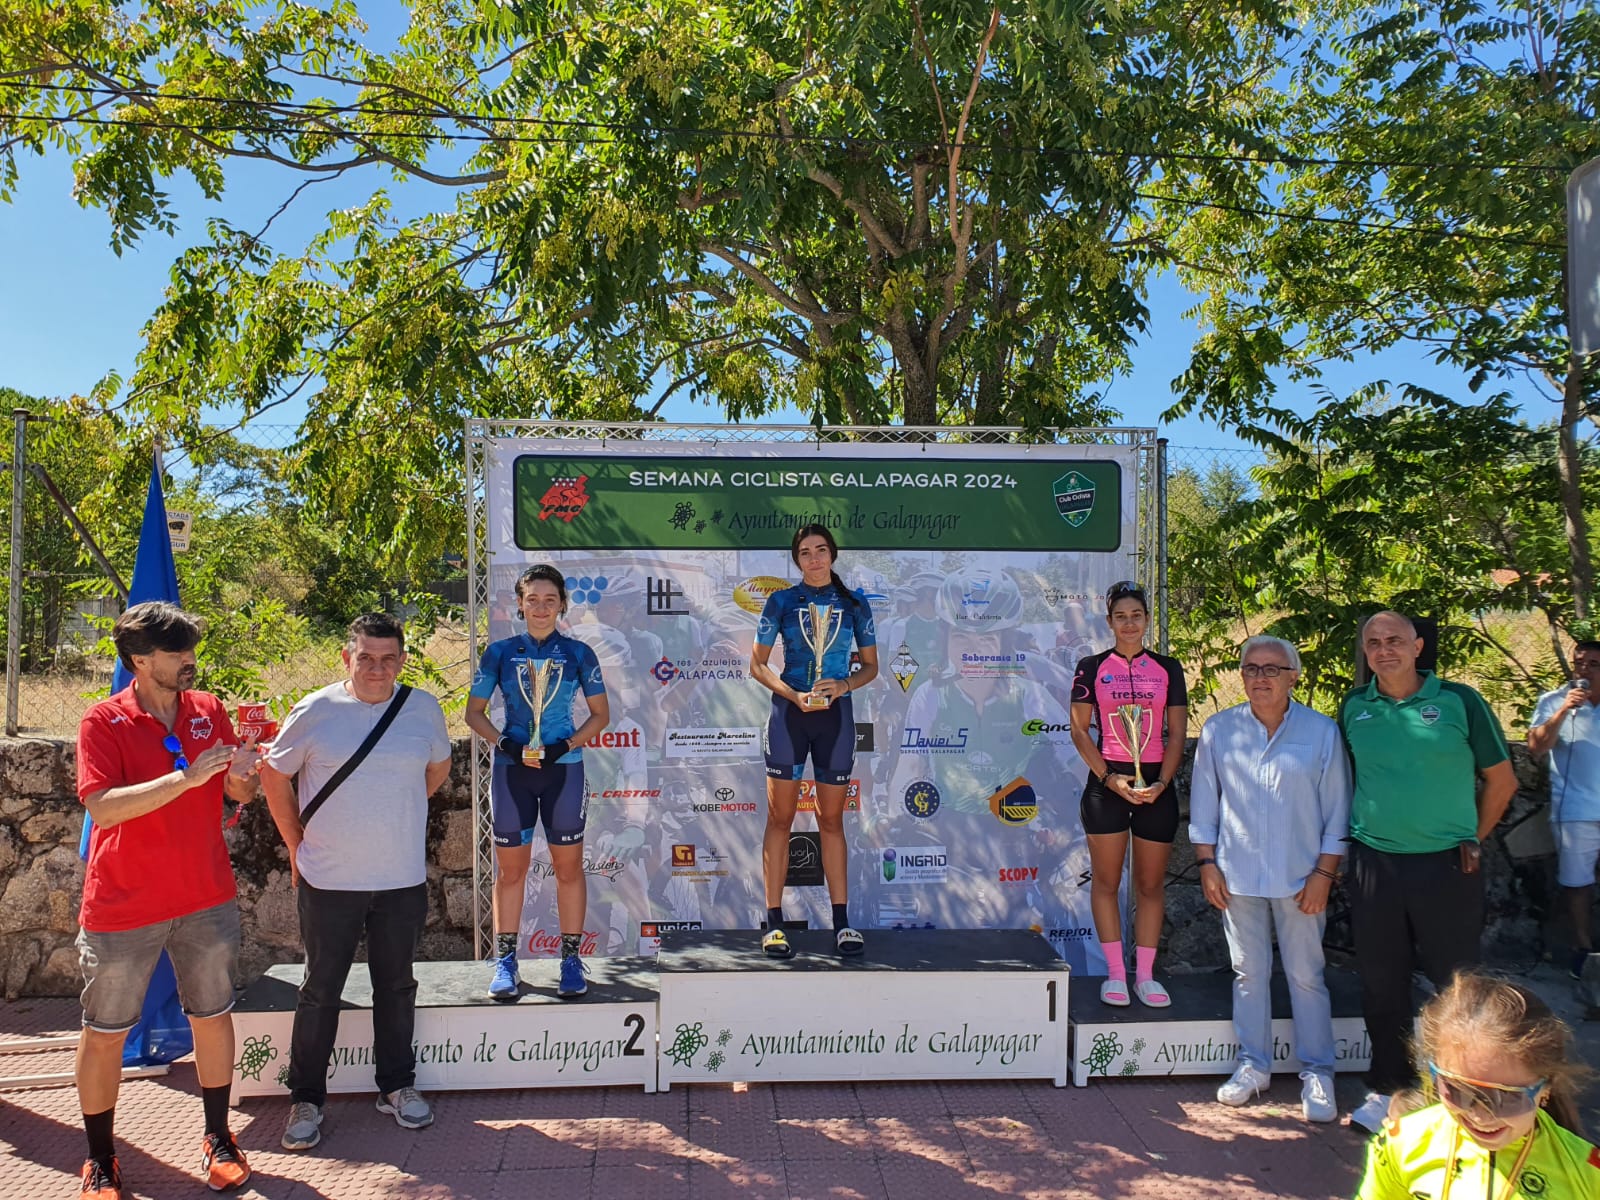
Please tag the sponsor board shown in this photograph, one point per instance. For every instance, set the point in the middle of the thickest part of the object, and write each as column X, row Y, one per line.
column 605, row 866
column 914, row 864
column 922, row 799
column 697, row 744
column 1014, row 803
column 650, row 933
column 989, row 666
column 1016, row 875
column 1055, row 733
column 914, row 741
column 904, row 667
column 664, row 598
column 808, row 796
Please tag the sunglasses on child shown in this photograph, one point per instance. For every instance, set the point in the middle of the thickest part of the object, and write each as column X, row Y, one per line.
column 1498, row 1101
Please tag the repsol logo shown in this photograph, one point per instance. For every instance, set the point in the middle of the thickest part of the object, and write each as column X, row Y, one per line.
column 1035, row 727
column 1071, row 934
column 1018, row 874
column 618, row 739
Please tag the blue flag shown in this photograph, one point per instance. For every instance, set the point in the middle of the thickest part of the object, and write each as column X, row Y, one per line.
column 163, row 1032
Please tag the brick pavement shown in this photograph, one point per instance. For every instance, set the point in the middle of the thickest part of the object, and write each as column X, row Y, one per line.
column 1140, row 1139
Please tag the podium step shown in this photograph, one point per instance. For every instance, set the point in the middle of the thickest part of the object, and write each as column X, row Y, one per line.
column 918, row 1004
column 464, row 1040
column 1195, row 1035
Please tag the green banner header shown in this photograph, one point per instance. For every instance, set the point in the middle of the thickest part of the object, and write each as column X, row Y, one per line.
column 617, row 502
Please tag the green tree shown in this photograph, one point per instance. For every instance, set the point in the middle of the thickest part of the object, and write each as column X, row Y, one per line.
column 1426, row 207
column 868, row 210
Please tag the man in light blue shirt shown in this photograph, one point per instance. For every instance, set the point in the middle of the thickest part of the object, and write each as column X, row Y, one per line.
column 1566, row 727
column 1269, row 812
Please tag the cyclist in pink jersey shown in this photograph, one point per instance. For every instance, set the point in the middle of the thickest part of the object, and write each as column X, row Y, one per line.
column 1124, row 677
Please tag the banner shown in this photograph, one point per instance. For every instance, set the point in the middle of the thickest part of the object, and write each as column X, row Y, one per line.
column 985, row 568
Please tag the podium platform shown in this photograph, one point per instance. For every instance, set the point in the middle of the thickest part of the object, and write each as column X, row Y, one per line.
column 919, row 1004
column 1195, row 1035
column 465, row 1040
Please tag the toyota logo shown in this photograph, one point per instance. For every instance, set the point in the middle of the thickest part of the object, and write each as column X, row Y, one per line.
column 724, row 794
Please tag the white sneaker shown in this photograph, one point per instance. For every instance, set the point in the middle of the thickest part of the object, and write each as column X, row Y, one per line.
column 1374, row 1111
column 1316, row 1098
column 1243, row 1086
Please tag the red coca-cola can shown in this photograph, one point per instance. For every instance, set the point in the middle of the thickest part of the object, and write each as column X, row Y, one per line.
column 256, row 723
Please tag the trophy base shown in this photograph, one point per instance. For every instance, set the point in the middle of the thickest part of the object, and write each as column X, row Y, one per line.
column 532, row 757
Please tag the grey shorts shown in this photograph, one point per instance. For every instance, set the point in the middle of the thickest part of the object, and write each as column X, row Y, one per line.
column 117, row 966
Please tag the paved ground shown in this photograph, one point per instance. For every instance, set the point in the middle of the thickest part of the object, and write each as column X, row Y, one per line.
column 851, row 1142
column 1139, row 1139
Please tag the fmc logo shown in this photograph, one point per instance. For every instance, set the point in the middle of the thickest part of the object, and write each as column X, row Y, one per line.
column 564, row 499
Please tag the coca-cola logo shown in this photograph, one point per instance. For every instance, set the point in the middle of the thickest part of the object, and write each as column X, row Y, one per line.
column 541, row 942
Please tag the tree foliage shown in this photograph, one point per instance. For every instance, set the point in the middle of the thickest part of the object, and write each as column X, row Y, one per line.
column 869, row 209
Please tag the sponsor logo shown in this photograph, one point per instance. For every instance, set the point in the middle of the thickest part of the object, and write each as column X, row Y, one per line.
column 627, row 794
column 1015, row 803
column 691, row 671
column 549, row 944
column 922, row 799
column 564, row 499
column 915, row 864
column 1055, row 597
column 588, row 589
column 618, row 739
column 751, row 595
column 697, row 865
column 897, row 908
column 1363, row 716
column 864, row 737
column 940, row 744
column 656, row 928
column 1074, row 498
column 607, row 866
column 808, row 796
column 988, row 666
column 1055, row 733
column 805, row 860
column 744, row 742
column 664, row 672
column 1018, row 874
column 724, row 801
column 1429, row 713
column 1065, row 934
column 200, row 729
column 903, row 667
column 664, row 598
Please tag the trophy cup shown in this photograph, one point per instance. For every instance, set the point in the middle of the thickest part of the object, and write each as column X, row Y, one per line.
column 819, row 627
column 1135, row 737
column 538, row 682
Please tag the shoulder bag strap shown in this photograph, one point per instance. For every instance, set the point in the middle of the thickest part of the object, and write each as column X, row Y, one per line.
column 356, row 759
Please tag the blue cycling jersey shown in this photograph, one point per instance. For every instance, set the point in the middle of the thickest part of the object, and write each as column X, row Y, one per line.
column 573, row 666
column 787, row 614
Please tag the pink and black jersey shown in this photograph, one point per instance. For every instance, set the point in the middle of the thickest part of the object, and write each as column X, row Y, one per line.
column 1152, row 681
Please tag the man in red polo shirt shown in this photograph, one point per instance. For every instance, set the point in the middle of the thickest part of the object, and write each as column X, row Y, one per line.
column 153, row 763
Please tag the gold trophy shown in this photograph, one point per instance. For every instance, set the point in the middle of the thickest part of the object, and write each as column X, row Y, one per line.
column 1135, row 737
column 819, row 627
column 538, row 682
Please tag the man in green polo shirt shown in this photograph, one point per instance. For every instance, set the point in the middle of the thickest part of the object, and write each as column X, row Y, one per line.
column 1418, row 746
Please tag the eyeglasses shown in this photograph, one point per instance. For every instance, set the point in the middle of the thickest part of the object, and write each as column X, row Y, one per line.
column 1266, row 671
column 174, row 747
column 1498, row 1101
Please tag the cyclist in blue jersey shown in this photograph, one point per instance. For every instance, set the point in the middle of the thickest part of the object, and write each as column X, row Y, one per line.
column 543, row 781
column 812, row 717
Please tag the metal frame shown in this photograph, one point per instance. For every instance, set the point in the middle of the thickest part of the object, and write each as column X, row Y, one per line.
column 1150, row 539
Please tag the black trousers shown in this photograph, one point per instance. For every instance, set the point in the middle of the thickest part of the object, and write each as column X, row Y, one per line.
column 331, row 926
column 1408, row 911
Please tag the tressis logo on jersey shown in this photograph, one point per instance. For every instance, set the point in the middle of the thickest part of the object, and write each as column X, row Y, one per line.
column 1015, row 803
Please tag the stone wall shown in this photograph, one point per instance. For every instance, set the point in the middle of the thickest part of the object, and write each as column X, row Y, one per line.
column 41, row 878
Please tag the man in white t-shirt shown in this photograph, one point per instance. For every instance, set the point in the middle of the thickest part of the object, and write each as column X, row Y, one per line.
column 359, row 864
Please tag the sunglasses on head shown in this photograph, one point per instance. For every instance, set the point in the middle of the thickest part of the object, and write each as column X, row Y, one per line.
column 1498, row 1101
column 174, row 747
column 1124, row 587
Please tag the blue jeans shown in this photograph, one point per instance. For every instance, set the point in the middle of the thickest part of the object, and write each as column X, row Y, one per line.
column 1248, row 922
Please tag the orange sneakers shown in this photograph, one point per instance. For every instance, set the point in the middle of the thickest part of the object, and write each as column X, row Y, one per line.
column 223, row 1163
column 99, row 1183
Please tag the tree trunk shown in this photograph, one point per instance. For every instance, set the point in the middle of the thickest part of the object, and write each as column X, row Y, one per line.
column 1569, row 467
